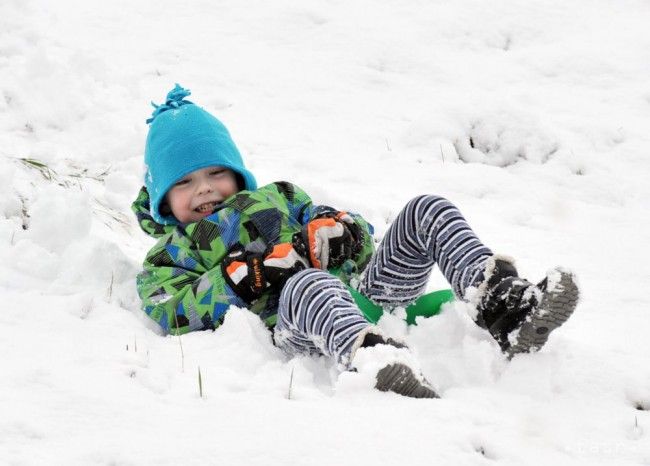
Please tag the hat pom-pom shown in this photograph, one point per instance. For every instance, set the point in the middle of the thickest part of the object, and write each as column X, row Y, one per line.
column 176, row 95
column 174, row 100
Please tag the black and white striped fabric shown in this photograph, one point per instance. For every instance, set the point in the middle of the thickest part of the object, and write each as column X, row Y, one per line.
column 429, row 230
column 318, row 315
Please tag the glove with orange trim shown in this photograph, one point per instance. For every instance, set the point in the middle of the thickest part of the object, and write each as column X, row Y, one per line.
column 250, row 274
column 329, row 239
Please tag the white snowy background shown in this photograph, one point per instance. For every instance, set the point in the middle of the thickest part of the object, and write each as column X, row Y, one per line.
column 364, row 104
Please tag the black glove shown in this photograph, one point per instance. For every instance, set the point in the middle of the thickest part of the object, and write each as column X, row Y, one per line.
column 329, row 239
column 250, row 274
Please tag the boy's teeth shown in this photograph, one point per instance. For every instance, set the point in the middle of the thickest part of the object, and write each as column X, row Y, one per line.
column 205, row 207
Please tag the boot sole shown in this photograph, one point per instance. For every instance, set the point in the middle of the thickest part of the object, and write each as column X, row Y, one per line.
column 400, row 379
column 556, row 307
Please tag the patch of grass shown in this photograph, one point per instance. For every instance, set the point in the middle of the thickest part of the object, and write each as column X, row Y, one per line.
column 66, row 180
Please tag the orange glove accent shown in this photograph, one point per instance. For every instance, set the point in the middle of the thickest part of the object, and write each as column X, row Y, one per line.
column 316, row 237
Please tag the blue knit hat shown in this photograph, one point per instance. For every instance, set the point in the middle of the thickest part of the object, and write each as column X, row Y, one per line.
column 183, row 138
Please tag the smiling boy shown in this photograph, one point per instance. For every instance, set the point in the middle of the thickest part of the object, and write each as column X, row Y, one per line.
column 224, row 242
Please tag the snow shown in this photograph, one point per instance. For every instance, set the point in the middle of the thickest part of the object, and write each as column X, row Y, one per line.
column 364, row 105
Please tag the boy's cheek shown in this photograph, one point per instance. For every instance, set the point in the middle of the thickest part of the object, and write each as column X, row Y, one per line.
column 174, row 205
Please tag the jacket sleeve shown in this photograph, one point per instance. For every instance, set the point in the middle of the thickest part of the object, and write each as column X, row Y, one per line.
column 297, row 201
column 367, row 242
column 180, row 290
column 302, row 210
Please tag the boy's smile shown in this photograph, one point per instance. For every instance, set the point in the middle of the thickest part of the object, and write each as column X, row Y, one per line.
column 197, row 194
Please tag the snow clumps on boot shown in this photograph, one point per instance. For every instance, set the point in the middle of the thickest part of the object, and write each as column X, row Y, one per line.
column 392, row 364
column 518, row 314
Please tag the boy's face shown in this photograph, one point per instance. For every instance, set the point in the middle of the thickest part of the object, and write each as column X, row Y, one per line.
column 196, row 195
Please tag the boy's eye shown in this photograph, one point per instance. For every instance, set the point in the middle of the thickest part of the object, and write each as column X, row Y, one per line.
column 217, row 172
column 181, row 182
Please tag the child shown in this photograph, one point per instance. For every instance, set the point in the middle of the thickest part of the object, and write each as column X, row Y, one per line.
column 223, row 242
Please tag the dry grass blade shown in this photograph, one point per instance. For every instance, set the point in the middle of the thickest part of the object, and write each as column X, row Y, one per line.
column 200, row 383
column 41, row 167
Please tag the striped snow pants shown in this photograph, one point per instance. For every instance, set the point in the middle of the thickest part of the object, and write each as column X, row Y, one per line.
column 317, row 314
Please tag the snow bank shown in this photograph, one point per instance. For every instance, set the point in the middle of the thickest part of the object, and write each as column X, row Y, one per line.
column 532, row 117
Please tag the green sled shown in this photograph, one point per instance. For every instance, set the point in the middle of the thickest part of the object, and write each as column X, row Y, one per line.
column 426, row 305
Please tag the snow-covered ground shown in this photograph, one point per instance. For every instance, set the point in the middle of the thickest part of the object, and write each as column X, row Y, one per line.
column 364, row 104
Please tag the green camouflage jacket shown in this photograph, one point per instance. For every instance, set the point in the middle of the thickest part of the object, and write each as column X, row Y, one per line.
column 182, row 285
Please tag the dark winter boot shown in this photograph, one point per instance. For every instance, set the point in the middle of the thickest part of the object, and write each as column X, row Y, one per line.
column 520, row 315
column 396, row 367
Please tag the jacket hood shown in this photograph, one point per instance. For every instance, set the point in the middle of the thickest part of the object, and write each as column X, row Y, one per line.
column 141, row 209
